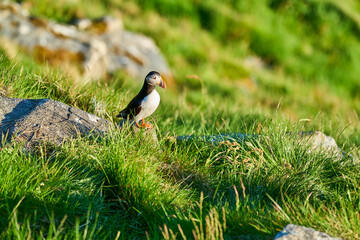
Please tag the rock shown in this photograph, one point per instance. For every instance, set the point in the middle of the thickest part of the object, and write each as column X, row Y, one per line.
column 254, row 63
column 33, row 121
column 99, row 48
column 101, row 25
column 136, row 53
column 295, row 232
column 37, row 120
column 318, row 141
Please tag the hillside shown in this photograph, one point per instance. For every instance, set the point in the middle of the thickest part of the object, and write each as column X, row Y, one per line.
column 256, row 67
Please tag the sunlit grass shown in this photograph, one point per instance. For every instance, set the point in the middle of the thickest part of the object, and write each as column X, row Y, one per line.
column 308, row 61
column 127, row 184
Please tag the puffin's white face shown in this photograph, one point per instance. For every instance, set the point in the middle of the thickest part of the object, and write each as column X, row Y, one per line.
column 154, row 78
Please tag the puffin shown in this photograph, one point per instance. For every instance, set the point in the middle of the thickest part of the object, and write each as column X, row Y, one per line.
column 145, row 102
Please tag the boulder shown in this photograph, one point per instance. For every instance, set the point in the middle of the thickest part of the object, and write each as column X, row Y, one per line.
column 97, row 47
column 34, row 121
column 295, row 232
column 38, row 120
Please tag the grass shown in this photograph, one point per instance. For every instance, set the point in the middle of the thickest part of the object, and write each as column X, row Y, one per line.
column 128, row 187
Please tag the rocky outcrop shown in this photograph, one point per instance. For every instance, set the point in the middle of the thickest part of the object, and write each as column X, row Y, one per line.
column 295, row 232
column 38, row 120
column 98, row 47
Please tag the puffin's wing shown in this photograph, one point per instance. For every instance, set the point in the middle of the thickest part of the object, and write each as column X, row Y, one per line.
column 132, row 109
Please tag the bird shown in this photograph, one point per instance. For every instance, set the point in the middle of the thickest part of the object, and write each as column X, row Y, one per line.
column 145, row 102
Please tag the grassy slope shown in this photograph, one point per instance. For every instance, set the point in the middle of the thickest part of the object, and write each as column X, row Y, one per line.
column 88, row 188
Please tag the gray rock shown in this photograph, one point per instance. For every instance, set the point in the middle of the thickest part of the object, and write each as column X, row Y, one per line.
column 33, row 121
column 295, row 232
column 99, row 47
column 37, row 120
column 134, row 52
column 318, row 141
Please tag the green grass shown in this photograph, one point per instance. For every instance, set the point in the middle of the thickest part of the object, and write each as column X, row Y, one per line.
column 128, row 187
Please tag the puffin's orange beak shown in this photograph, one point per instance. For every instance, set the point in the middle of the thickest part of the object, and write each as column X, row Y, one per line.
column 162, row 84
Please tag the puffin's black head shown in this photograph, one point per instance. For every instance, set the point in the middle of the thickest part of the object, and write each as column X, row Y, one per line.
column 154, row 78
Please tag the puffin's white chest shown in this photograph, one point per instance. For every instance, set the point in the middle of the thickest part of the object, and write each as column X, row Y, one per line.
column 148, row 105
